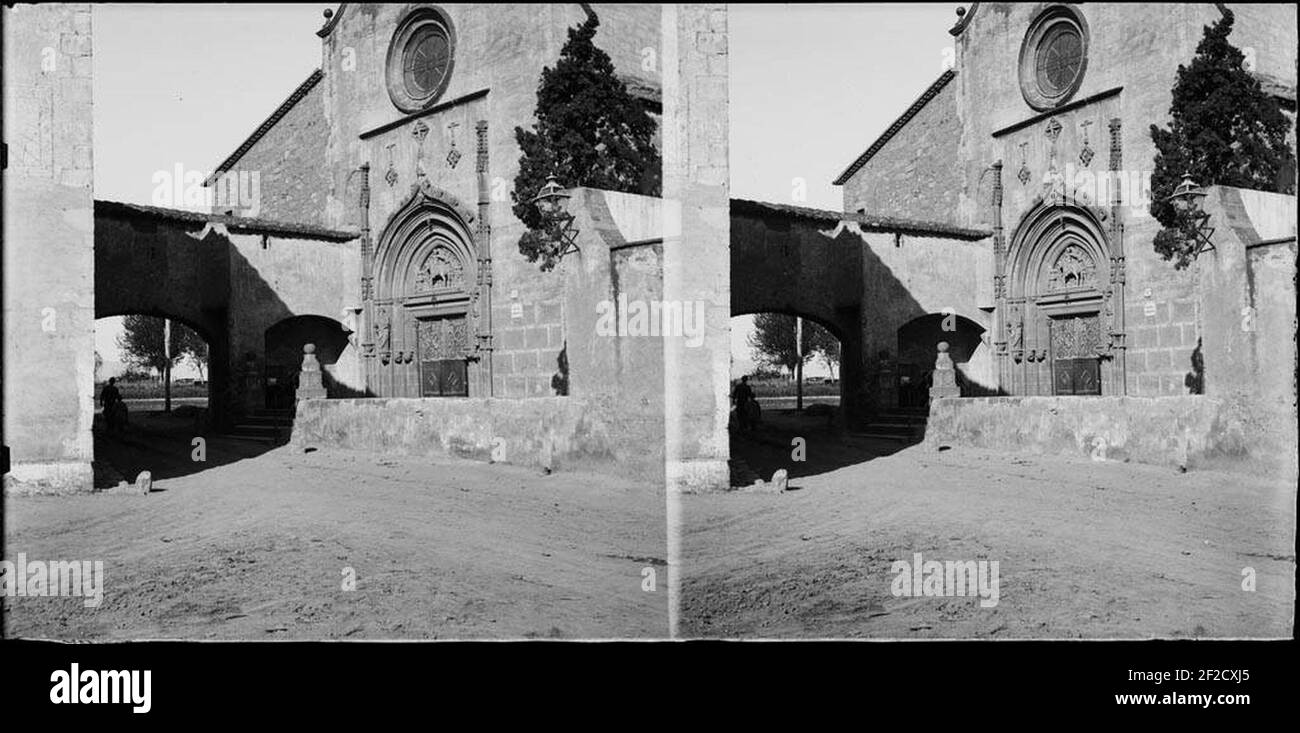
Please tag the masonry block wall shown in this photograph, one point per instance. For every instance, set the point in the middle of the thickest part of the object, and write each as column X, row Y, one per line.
column 49, row 308
column 292, row 185
column 500, row 53
column 1133, row 56
column 696, row 243
column 1247, row 298
column 915, row 174
column 342, row 118
column 1098, row 143
column 615, row 358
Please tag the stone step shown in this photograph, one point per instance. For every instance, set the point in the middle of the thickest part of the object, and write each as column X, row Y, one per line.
column 892, row 426
column 248, row 429
column 880, row 435
column 268, row 440
column 285, row 413
column 267, row 420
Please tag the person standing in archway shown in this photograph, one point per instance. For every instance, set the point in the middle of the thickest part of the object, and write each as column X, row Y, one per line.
column 741, row 397
column 111, row 399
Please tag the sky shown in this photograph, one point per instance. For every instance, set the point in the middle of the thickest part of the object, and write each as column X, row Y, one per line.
column 811, row 87
column 185, row 85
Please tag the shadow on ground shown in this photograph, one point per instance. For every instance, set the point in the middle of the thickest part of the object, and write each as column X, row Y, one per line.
column 164, row 445
column 770, row 446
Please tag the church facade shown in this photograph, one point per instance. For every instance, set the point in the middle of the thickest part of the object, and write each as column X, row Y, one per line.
column 406, row 136
column 1039, row 133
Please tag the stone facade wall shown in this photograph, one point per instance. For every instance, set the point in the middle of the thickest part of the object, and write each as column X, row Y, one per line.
column 309, row 161
column 696, row 258
column 915, row 174
column 1188, row 431
column 292, row 183
column 229, row 286
column 558, row 433
column 1132, row 58
column 49, row 308
column 499, row 57
column 1247, row 301
column 618, row 270
column 276, row 277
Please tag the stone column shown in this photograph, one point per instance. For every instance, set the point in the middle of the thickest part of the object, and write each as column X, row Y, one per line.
column 310, row 385
column 49, row 267
column 696, row 261
column 697, row 255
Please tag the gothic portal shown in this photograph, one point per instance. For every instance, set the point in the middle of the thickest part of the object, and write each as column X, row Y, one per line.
column 1062, row 314
column 429, row 339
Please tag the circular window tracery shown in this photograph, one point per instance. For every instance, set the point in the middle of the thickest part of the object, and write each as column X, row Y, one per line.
column 1053, row 57
column 420, row 59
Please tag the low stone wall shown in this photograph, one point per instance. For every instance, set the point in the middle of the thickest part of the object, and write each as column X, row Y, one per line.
column 1189, row 431
column 555, row 432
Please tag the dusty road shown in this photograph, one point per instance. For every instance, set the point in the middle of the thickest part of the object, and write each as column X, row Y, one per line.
column 257, row 547
column 1085, row 550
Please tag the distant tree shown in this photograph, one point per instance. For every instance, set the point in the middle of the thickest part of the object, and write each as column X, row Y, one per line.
column 590, row 131
column 142, row 343
column 1224, row 129
column 823, row 345
column 189, row 346
column 142, row 340
column 99, row 364
column 773, row 341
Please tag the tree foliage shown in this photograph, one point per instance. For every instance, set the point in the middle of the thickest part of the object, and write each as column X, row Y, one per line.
column 590, row 131
column 773, row 341
column 142, row 342
column 1224, row 129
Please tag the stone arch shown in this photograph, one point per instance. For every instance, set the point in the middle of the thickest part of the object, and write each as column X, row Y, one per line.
column 426, row 319
column 844, row 328
column 211, row 330
column 1060, row 322
column 1045, row 232
column 918, row 341
column 283, row 343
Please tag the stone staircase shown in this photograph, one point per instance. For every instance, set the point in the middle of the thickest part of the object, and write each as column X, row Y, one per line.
column 269, row 426
column 901, row 424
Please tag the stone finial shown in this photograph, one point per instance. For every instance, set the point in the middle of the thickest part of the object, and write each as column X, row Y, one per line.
column 310, row 385
column 943, row 383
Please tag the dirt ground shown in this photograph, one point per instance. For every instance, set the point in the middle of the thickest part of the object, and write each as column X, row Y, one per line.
column 254, row 544
column 1085, row 549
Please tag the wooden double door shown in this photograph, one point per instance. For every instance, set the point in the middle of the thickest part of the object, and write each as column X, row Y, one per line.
column 443, row 346
column 1076, row 366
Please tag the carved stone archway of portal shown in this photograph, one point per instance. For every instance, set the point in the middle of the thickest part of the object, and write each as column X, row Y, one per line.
column 1060, row 321
column 426, row 318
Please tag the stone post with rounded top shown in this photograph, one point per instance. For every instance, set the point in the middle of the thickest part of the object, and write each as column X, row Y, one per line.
column 310, row 385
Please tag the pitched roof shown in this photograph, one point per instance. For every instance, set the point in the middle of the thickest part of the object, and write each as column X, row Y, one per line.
column 867, row 222
column 240, row 224
column 899, row 123
column 313, row 79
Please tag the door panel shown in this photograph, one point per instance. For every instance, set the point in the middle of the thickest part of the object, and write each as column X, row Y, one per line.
column 443, row 370
column 1076, row 368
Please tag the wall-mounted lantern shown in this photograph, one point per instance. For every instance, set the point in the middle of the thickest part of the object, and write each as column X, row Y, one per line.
column 552, row 204
column 1188, row 199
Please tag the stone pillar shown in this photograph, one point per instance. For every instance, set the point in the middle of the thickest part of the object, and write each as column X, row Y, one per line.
column 310, row 385
column 48, row 255
column 944, row 381
column 697, row 239
column 696, row 262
